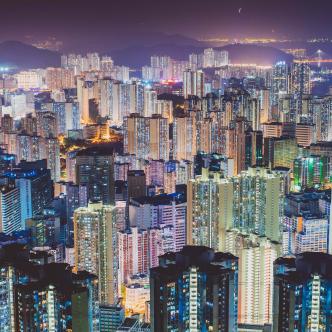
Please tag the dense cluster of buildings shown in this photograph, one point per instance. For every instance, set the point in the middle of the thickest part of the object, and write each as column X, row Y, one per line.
column 196, row 197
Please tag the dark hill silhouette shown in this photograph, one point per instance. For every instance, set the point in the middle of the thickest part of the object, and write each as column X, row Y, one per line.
column 17, row 54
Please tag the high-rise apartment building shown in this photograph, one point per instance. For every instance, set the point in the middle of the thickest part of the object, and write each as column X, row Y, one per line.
column 300, row 78
column 302, row 288
column 240, row 145
column 10, row 209
column 165, row 109
column 184, row 137
column 35, row 186
column 164, row 64
column 59, row 78
column 133, row 253
column 150, row 100
column 193, row 83
column 255, row 274
column 214, row 58
column 160, row 211
column 159, row 138
column 306, row 222
column 31, row 79
column 311, row 172
column 95, row 243
column 280, row 81
column 147, row 137
column 94, row 168
column 204, row 204
column 250, row 202
column 194, row 289
column 45, row 296
column 301, row 87
column 137, row 136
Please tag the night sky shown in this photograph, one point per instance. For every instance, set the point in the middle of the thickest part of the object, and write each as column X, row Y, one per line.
column 71, row 20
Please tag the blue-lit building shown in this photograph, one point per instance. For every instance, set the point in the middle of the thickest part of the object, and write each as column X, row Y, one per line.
column 280, row 80
column 45, row 296
column 302, row 293
column 35, row 187
column 214, row 162
column 10, row 209
column 308, row 202
column 111, row 317
column 306, row 222
column 6, row 160
column 194, row 290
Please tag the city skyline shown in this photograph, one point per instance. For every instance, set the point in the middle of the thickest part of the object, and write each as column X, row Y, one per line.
column 165, row 166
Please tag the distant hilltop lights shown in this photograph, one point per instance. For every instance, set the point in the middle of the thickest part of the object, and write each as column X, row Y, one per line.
column 262, row 40
column 244, row 40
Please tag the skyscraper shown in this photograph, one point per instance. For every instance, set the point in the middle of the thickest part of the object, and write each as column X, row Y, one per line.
column 240, row 145
column 300, row 78
column 159, row 211
column 311, row 172
column 323, row 118
column 256, row 256
column 159, row 138
column 45, row 296
column 280, row 81
column 150, row 100
column 111, row 317
column 59, row 78
column 265, row 114
column 133, row 253
column 250, row 202
column 194, row 289
column 33, row 180
column 300, row 86
column 137, row 136
column 306, row 222
column 95, row 170
column 44, row 230
column 184, row 137
column 51, row 153
column 108, row 96
column 193, row 83
column 10, row 209
column 214, row 58
column 302, row 289
column 147, row 137
column 95, row 243
column 204, row 219
column 280, row 152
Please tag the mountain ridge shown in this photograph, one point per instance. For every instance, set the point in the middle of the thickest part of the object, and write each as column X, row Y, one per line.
column 24, row 56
